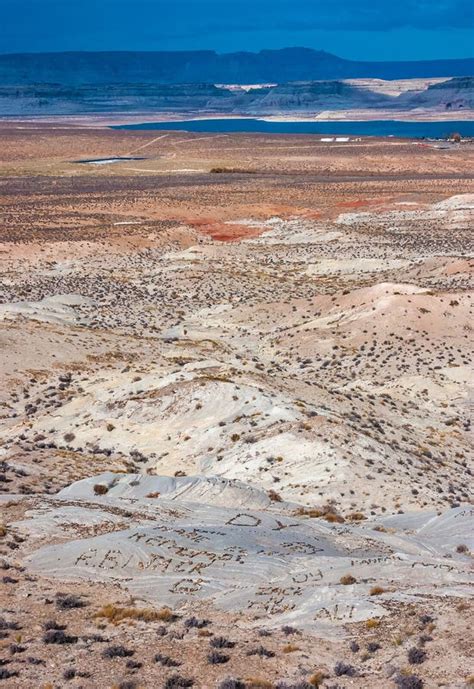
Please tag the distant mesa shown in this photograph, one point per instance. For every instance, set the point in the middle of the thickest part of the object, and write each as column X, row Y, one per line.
column 209, row 67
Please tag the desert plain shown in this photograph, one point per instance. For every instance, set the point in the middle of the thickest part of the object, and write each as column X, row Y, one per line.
column 236, row 449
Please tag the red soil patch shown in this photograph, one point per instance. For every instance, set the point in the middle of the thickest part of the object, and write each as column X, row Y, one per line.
column 227, row 232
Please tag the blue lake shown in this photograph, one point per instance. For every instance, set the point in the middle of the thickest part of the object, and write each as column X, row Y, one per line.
column 417, row 130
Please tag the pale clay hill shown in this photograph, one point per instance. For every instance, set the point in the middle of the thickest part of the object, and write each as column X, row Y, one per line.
column 270, row 433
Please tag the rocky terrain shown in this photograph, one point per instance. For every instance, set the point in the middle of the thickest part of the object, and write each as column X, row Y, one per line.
column 236, row 448
column 373, row 98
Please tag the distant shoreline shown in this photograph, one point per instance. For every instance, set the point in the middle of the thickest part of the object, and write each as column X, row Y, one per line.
column 121, row 118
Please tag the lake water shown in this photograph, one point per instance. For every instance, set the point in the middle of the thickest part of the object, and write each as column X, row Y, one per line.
column 106, row 161
column 417, row 130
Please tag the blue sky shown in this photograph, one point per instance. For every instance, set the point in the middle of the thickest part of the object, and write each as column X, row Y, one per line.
column 357, row 29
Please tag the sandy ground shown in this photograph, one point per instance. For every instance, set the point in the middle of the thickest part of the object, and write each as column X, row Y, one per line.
column 239, row 332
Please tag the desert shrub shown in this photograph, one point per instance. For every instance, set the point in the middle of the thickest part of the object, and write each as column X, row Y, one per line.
column 178, row 682
column 7, row 674
column 416, row 656
column 372, row 623
column 462, row 548
column 290, row 648
column 258, row 683
column 261, row 651
column 373, row 646
column 68, row 602
column 9, row 580
column 166, row 661
column 128, row 684
column 70, row 673
column 327, row 512
column 95, row 638
column 230, row 683
column 426, row 619
column 354, row 646
column 347, row 580
column 221, row 642
column 58, row 636
column 52, row 624
column 341, row 669
column 286, row 629
column 333, row 518
column 408, row 682
column 317, row 678
column 376, row 590
column 100, row 489
column 216, row 658
column 357, row 517
column 117, row 651
column 115, row 614
column 133, row 664
column 195, row 622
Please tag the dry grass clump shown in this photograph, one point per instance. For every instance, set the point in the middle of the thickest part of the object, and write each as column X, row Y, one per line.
column 317, row 678
column 290, row 648
column 327, row 512
column 463, row 605
column 357, row 517
column 347, row 580
column 372, row 623
column 115, row 614
column 377, row 590
column 257, row 683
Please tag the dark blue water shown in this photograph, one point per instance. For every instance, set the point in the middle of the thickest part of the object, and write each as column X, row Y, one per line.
column 417, row 130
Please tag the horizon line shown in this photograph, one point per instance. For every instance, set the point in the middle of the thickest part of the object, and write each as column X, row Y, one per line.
column 233, row 52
